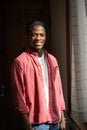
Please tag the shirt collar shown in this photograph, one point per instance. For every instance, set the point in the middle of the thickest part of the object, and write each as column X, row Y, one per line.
column 28, row 50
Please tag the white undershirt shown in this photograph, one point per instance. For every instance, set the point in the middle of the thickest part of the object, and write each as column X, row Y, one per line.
column 45, row 77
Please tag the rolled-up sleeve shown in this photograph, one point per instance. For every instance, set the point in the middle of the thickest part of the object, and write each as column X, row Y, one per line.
column 18, row 88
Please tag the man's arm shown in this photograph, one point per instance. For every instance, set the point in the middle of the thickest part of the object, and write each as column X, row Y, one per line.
column 27, row 125
column 18, row 92
column 63, row 121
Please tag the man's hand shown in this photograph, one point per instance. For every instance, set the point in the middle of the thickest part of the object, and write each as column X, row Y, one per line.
column 27, row 124
column 63, row 124
column 29, row 127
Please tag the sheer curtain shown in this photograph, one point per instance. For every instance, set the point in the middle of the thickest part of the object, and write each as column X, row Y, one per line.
column 78, row 20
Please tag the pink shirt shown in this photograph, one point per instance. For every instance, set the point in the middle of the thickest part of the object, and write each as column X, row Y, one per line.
column 28, row 88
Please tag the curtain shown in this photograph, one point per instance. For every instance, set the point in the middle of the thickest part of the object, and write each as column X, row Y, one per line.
column 78, row 27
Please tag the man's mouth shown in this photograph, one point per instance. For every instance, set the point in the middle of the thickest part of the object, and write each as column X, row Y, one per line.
column 38, row 43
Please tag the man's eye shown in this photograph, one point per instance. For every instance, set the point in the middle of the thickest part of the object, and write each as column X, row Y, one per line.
column 36, row 35
column 33, row 34
column 43, row 35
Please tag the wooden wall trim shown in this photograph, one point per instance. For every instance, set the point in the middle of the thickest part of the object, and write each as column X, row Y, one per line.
column 68, row 47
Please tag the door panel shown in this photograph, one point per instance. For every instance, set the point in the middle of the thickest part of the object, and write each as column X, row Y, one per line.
column 13, row 20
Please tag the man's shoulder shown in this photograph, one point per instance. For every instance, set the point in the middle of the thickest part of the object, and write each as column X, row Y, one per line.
column 52, row 60
column 22, row 58
column 51, row 56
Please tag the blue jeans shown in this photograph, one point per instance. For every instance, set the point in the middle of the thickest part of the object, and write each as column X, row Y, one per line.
column 46, row 126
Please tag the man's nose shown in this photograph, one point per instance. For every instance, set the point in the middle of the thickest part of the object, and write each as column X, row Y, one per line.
column 38, row 37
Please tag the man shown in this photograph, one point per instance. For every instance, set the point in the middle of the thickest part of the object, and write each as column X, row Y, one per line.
column 37, row 85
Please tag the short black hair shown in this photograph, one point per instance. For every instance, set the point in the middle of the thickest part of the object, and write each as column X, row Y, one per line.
column 34, row 23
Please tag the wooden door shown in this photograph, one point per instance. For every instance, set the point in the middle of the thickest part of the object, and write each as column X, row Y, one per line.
column 13, row 20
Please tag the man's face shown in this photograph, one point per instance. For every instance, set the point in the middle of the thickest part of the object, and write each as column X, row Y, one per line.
column 38, row 38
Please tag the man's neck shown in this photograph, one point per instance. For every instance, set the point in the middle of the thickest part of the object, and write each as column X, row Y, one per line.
column 39, row 52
